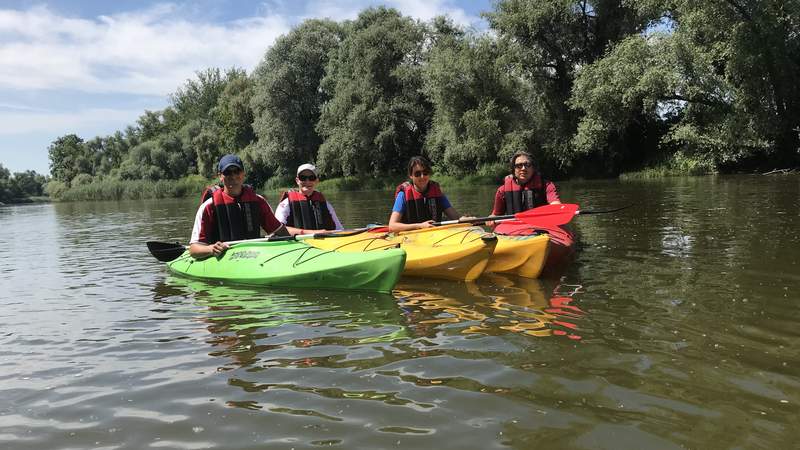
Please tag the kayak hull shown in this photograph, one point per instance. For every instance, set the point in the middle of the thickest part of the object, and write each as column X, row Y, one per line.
column 295, row 264
column 522, row 255
column 451, row 253
column 562, row 242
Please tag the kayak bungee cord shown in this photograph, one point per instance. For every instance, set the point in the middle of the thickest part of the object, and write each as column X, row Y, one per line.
column 298, row 261
column 367, row 247
column 465, row 232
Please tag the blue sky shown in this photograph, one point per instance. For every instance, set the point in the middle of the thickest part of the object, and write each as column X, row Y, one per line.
column 93, row 67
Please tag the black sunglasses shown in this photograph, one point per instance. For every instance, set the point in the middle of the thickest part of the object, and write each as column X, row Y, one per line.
column 232, row 171
column 420, row 173
column 524, row 165
column 307, row 177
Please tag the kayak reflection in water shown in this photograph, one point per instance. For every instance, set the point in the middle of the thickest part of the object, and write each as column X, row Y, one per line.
column 419, row 202
column 494, row 306
column 232, row 213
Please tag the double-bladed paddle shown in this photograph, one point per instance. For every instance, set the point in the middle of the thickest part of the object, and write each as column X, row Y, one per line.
column 547, row 215
column 543, row 216
column 166, row 251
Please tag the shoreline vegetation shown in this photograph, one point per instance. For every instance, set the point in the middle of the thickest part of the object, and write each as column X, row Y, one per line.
column 193, row 185
column 634, row 90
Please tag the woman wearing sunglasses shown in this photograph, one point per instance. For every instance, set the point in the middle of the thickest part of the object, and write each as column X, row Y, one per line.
column 524, row 189
column 419, row 202
column 305, row 207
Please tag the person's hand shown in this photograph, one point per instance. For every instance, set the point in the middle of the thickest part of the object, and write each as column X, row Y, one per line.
column 490, row 223
column 219, row 248
column 423, row 225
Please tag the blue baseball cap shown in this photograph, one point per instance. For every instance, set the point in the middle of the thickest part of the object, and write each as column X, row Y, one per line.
column 230, row 160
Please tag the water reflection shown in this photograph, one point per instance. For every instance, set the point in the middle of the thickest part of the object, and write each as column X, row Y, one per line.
column 494, row 305
column 248, row 322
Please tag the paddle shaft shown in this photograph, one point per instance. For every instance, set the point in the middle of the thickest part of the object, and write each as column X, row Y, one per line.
column 166, row 251
column 554, row 214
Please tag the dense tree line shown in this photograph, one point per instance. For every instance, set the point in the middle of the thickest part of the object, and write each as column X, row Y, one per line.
column 20, row 186
column 592, row 88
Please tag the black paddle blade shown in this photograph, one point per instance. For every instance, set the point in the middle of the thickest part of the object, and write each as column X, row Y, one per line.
column 165, row 251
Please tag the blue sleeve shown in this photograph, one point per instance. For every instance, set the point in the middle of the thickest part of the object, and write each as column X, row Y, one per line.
column 445, row 202
column 399, row 202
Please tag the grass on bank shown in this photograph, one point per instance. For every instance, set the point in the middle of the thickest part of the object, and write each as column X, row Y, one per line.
column 193, row 185
column 674, row 165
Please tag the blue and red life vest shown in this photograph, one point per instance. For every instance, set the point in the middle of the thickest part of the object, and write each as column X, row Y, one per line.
column 308, row 212
column 421, row 206
column 236, row 218
column 524, row 197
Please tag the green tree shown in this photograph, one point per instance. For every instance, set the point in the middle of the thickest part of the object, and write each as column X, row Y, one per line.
column 287, row 98
column 720, row 86
column 477, row 117
column 233, row 114
column 68, row 157
column 377, row 116
column 29, row 183
column 197, row 98
column 7, row 187
column 547, row 42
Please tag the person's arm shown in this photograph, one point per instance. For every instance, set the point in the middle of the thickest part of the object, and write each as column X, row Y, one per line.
column 499, row 207
column 396, row 223
column 282, row 211
column 198, row 248
column 552, row 193
column 452, row 214
column 334, row 217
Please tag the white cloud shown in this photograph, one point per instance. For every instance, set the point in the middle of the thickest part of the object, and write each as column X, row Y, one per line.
column 53, row 123
column 419, row 9
column 149, row 52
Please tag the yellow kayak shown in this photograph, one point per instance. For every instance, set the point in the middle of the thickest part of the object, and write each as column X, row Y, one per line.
column 448, row 252
column 520, row 255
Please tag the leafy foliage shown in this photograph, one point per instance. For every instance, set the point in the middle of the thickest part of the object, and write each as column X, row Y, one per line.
column 592, row 88
column 287, row 99
column 377, row 116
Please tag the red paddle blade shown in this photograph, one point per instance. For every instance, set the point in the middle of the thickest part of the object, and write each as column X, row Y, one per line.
column 557, row 214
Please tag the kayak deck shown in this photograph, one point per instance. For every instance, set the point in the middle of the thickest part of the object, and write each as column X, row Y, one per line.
column 452, row 253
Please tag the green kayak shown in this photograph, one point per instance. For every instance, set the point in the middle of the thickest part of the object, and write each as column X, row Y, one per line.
column 296, row 264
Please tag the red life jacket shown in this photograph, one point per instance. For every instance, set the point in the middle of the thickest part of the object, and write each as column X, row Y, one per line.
column 236, row 218
column 421, row 207
column 522, row 198
column 308, row 212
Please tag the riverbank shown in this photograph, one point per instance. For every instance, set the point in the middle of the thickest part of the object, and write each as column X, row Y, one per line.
column 194, row 185
column 26, row 201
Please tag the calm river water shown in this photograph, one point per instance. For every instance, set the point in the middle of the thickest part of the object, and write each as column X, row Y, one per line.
column 677, row 326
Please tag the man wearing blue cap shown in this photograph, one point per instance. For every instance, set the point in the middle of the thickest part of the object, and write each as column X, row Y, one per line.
column 232, row 213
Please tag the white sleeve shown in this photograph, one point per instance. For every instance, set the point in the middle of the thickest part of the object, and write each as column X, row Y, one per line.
column 334, row 217
column 198, row 219
column 282, row 211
